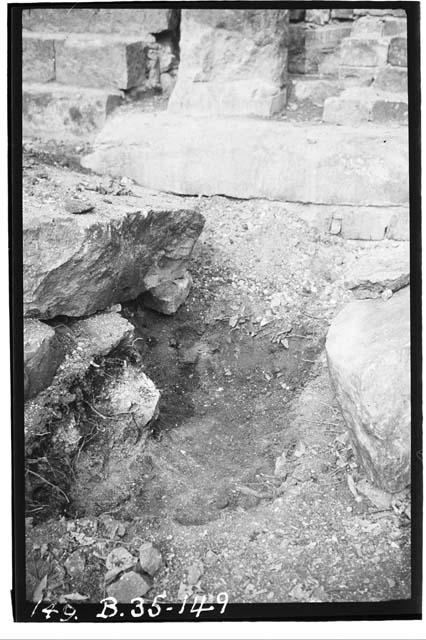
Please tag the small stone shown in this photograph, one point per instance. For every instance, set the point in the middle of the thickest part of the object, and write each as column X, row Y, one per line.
column 195, row 572
column 130, row 585
column 75, row 564
column 120, row 558
column 281, row 467
column 386, row 294
column 72, row 205
column 150, row 558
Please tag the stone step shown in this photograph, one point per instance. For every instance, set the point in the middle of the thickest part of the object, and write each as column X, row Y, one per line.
column 392, row 79
column 254, row 158
column 358, row 105
column 398, row 52
column 364, row 52
column 96, row 61
column 79, row 20
column 68, row 113
column 373, row 26
column 309, row 46
column 313, row 90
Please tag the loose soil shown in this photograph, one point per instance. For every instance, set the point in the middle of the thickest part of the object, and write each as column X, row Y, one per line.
column 243, row 376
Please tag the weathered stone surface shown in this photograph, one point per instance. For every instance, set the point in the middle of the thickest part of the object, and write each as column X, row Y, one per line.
column 314, row 91
column 130, row 585
column 252, row 158
column 133, row 392
column 398, row 52
column 358, row 104
column 232, row 62
column 42, row 356
column 317, row 16
column 78, row 20
column 352, row 76
column 102, row 332
column 365, row 52
column 75, row 265
column 342, row 14
column 398, row 13
column 309, row 48
column 101, row 62
column 368, row 351
column 55, row 111
column 38, row 58
column 150, row 559
column 297, row 15
column 389, row 268
column 167, row 297
column 395, row 27
column 391, row 78
column 355, row 222
column 373, row 26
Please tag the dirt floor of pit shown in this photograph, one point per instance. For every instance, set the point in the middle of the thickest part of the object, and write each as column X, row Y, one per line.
column 243, row 377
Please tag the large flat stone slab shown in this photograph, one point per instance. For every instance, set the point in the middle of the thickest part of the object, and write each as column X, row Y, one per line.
column 84, row 251
column 368, row 351
column 250, row 158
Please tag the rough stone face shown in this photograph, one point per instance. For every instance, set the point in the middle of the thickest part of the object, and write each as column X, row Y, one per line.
column 310, row 49
column 366, row 52
column 256, row 159
column 363, row 104
column 38, row 58
column 317, row 16
column 168, row 296
column 398, row 52
column 65, row 113
column 232, row 62
column 368, row 351
column 370, row 276
column 392, row 79
column 42, row 356
column 314, row 91
column 130, row 585
column 101, row 62
column 75, row 265
column 78, row 20
column 150, row 559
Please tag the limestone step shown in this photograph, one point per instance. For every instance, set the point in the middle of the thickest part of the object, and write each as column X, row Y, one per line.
column 364, row 52
column 64, row 112
column 398, row 52
column 254, row 158
column 374, row 26
column 96, row 61
column 311, row 89
column 393, row 79
column 358, row 105
column 95, row 20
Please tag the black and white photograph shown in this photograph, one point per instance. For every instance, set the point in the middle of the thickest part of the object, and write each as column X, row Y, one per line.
column 216, row 359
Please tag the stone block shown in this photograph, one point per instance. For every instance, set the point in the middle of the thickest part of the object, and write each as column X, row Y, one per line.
column 389, row 109
column 42, row 356
column 364, row 52
column 357, row 76
column 317, row 16
column 309, row 48
column 253, row 158
column 38, row 58
column 342, row 14
column 393, row 79
column 398, row 52
column 138, row 21
column 368, row 353
column 232, row 62
column 399, row 225
column 346, row 110
column 314, row 91
column 54, row 111
column 395, row 27
column 101, row 62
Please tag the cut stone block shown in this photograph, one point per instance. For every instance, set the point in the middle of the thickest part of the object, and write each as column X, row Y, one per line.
column 136, row 21
column 355, row 106
column 42, row 356
column 398, row 52
column 232, row 62
column 342, row 14
column 317, row 16
column 38, row 58
column 308, row 47
column 248, row 158
column 297, row 15
column 364, row 52
column 399, row 225
column 313, row 90
column 102, row 62
column 357, row 76
column 393, row 79
column 55, row 111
